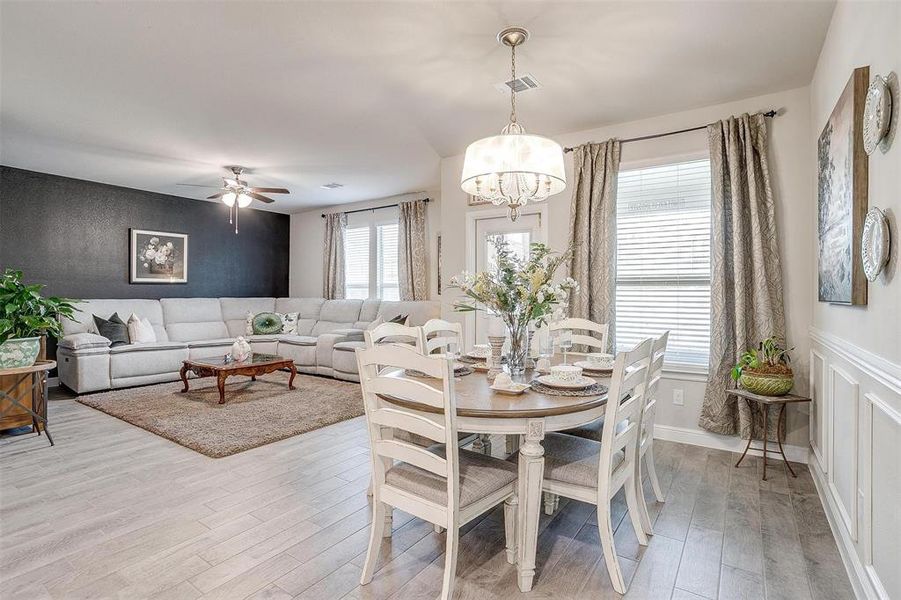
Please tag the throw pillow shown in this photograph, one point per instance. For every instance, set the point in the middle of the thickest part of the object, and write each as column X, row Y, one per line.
column 113, row 329
column 140, row 331
column 248, row 323
column 267, row 324
column 289, row 322
column 400, row 319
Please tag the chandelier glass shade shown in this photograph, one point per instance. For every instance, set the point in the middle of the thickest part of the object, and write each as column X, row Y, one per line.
column 513, row 168
column 229, row 199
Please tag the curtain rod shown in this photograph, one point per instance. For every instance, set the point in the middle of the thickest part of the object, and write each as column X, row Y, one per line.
column 769, row 113
column 350, row 212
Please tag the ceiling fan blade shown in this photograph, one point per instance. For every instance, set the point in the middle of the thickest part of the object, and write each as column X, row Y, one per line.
column 270, row 190
column 260, row 198
column 215, row 196
column 198, row 185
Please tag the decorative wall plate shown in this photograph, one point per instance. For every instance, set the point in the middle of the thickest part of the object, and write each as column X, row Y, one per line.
column 875, row 243
column 877, row 113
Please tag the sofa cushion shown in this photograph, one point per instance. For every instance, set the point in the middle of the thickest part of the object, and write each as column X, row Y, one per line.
column 82, row 341
column 307, row 308
column 368, row 313
column 218, row 342
column 148, row 347
column 345, row 357
column 138, row 360
column 149, row 309
column 191, row 319
column 234, row 311
column 341, row 311
column 296, row 340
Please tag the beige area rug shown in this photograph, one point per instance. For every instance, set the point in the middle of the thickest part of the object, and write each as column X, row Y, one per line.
column 255, row 413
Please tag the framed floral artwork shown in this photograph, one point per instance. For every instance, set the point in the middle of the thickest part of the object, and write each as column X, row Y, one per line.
column 158, row 257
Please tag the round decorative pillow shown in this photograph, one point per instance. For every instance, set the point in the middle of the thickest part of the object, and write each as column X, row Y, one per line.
column 267, row 323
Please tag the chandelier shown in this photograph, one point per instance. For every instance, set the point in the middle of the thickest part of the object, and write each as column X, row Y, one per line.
column 513, row 168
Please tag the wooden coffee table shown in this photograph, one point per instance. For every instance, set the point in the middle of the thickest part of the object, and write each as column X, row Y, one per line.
column 218, row 367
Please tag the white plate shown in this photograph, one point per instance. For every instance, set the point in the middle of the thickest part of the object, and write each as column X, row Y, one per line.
column 578, row 384
column 476, row 356
column 514, row 389
column 590, row 366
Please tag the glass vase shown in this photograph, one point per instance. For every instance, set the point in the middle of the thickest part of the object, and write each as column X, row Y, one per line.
column 518, row 336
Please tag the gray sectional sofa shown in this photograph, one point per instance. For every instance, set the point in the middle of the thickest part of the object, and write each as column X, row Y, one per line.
column 328, row 333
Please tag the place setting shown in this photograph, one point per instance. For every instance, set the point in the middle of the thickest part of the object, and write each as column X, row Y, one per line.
column 567, row 380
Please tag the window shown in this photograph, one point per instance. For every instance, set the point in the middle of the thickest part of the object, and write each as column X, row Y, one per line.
column 356, row 262
column 370, row 261
column 663, row 259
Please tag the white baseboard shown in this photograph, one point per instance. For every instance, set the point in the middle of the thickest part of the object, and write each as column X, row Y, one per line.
column 860, row 583
column 697, row 437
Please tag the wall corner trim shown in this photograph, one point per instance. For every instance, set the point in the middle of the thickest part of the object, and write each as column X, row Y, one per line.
column 695, row 437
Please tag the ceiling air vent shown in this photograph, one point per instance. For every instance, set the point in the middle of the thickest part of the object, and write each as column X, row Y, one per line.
column 520, row 84
column 332, row 186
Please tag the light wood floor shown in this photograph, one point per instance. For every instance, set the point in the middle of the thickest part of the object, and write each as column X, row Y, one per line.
column 116, row 512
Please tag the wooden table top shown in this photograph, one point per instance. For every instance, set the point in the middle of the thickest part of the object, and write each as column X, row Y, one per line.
column 41, row 365
column 475, row 398
column 786, row 399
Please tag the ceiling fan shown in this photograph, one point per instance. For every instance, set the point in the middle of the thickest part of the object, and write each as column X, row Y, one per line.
column 236, row 193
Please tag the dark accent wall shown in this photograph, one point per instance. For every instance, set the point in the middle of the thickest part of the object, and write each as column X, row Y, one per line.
column 73, row 236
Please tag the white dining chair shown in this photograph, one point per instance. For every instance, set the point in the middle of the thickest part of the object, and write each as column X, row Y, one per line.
column 394, row 333
column 443, row 336
column 646, row 438
column 595, row 339
column 594, row 472
column 442, row 484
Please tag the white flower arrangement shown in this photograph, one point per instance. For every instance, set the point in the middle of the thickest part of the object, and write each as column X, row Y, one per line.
column 154, row 253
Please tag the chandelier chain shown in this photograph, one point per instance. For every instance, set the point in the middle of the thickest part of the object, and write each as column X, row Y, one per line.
column 513, row 84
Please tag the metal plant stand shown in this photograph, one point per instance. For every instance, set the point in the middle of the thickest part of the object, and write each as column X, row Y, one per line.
column 21, row 396
column 765, row 403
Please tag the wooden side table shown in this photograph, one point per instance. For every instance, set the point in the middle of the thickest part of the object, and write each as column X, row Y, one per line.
column 21, row 396
column 766, row 402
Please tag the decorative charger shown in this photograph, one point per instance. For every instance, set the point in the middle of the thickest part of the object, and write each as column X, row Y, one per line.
column 877, row 113
column 267, row 323
column 593, row 390
column 875, row 243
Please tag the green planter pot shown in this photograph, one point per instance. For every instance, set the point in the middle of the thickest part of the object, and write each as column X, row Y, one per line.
column 19, row 352
column 767, row 384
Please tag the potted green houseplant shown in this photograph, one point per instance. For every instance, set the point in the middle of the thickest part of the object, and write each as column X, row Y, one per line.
column 25, row 316
column 765, row 370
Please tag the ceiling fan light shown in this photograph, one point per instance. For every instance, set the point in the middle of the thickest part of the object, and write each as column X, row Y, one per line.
column 229, row 199
column 244, row 200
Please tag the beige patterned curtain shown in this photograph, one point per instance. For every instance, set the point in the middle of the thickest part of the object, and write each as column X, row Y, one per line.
column 413, row 250
column 592, row 230
column 333, row 256
column 746, row 274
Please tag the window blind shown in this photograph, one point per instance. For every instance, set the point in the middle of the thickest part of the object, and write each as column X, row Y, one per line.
column 387, row 279
column 663, row 259
column 356, row 262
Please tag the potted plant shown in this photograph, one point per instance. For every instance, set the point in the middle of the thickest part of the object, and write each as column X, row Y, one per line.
column 765, row 370
column 25, row 316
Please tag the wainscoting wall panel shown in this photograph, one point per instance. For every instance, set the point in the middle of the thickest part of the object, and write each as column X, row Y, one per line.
column 856, row 458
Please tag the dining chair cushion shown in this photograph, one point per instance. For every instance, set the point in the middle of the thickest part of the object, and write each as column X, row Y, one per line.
column 480, row 475
column 571, row 459
column 589, row 431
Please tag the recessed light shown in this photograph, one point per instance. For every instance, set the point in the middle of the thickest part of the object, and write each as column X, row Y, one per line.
column 332, row 186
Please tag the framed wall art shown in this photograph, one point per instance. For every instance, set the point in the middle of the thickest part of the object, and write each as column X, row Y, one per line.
column 842, row 197
column 158, row 257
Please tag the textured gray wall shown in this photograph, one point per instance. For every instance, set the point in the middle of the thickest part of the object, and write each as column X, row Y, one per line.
column 72, row 235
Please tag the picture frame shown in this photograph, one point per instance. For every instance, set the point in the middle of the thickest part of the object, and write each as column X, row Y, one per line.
column 477, row 201
column 842, row 174
column 158, row 256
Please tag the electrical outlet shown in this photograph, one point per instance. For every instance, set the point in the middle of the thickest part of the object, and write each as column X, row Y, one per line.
column 678, row 397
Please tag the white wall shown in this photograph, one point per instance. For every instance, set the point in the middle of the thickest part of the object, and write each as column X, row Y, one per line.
column 856, row 351
column 308, row 236
column 792, row 162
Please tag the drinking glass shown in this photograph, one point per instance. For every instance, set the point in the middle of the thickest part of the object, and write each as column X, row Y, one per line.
column 566, row 342
column 545, row 343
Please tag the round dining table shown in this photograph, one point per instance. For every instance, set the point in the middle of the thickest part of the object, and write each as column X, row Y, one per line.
column 529, row 415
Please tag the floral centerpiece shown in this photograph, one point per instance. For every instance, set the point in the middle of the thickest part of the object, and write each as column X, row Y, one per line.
column 159, row 258
column 519, row 291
